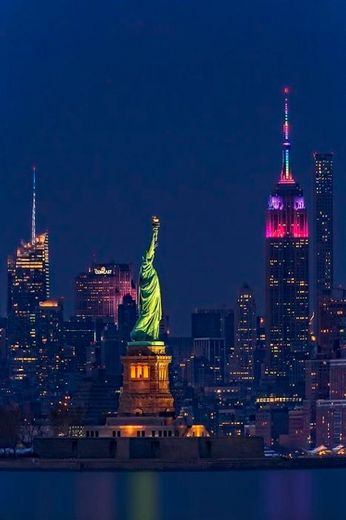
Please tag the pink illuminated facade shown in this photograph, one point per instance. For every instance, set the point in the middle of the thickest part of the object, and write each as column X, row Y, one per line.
column 100, row 291
column 287, row 286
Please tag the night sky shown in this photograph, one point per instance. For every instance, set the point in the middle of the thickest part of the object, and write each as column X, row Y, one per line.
column 134, row 108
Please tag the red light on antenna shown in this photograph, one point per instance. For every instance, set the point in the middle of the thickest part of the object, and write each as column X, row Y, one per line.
column 286, row 90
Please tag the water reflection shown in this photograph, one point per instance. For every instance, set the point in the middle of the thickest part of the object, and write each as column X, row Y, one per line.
column 288, row 495
column 95, row 496
column 143, row 496
column 260, row 495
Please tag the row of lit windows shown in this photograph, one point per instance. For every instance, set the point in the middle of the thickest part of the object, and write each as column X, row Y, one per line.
column 139, row 371
column 139, row 433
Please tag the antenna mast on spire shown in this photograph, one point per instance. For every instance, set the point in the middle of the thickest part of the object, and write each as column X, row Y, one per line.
column 33, row 216
column 286, row 175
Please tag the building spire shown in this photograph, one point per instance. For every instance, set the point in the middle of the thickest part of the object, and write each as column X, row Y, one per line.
column 33, row 215
column 286, row 174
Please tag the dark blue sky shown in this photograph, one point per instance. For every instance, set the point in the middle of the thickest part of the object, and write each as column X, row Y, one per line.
column 133, row 108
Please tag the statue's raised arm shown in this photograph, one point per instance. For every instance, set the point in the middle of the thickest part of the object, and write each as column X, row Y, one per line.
column 147, row 326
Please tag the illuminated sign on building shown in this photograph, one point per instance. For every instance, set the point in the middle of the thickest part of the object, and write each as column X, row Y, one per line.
column 102, row 270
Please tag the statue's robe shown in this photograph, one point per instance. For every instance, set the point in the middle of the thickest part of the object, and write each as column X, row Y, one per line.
column 147, row 327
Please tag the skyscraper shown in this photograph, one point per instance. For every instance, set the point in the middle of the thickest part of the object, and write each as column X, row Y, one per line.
column 260, row 351
column 213, row 323
column 51, row 362
column 323, row 229
column 245, row 328
column 331, row 336
column 100, row 291
column 79, row 335
column 213, row 340
column 212, row 353
column 28, row 285
column 287, row 280
column 127, row 316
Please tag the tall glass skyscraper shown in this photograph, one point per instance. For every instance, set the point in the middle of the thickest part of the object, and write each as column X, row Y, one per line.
column 323, row 229
column 287, row 277
column 28, row 285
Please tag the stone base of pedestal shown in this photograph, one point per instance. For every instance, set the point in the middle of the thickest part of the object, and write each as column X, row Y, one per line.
column 145, row 383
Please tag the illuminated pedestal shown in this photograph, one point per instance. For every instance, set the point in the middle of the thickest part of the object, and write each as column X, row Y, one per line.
column 146, row 403
column 146, row 383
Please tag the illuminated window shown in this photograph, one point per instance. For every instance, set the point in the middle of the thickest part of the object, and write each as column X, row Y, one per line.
column 139, row 372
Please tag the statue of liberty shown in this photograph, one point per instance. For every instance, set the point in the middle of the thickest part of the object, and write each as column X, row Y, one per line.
column 150, row 311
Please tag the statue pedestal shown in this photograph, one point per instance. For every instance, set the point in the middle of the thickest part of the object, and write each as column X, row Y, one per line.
column 146, row 347
column 145, row 382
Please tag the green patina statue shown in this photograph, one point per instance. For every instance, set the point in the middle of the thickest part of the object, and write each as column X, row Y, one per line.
column 150, row 310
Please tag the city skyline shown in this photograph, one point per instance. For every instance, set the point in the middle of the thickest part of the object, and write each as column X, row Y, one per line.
column 196, row 137
column 172, row 270
column 285, row 170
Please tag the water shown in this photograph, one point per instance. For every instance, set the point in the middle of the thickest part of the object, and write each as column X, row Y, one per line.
column 255, row 495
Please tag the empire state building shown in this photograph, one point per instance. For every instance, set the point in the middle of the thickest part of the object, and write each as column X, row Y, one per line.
column 287, row 278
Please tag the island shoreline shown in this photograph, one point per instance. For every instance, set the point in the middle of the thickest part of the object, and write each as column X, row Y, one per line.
column 38, row 464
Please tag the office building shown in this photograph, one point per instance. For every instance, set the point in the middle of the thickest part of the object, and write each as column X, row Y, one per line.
column 245, row 327
column 127, row 316
column 112, row 348
column 323, row 228
column 337, row 379
column 331, row 336
column 52, row 363
column 79, row 334
column 317, row 379
column 212, row 331
column 213, row 323
column 260, row 350
column 287, row 278
column 100, row 291
column 331, row 422
column 28, row 285
column 213, row 356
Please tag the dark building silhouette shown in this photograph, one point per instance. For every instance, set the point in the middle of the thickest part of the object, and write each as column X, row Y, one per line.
column 287, row 278
column 51, row 359
column 180, row 348
column 331, row 423
column 165, row 328
column 260, row 351
column 245, row 325
column 127, row 316
column 331, row 336
column 337, row 375
column 213, row 323
column 213, row 341
column 94, row 399
column 112, row 348
column 79, row 334
column 213, row 353
column 317, row 379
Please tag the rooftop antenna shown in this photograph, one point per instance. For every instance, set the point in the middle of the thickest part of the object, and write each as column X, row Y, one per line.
column 286, row 174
